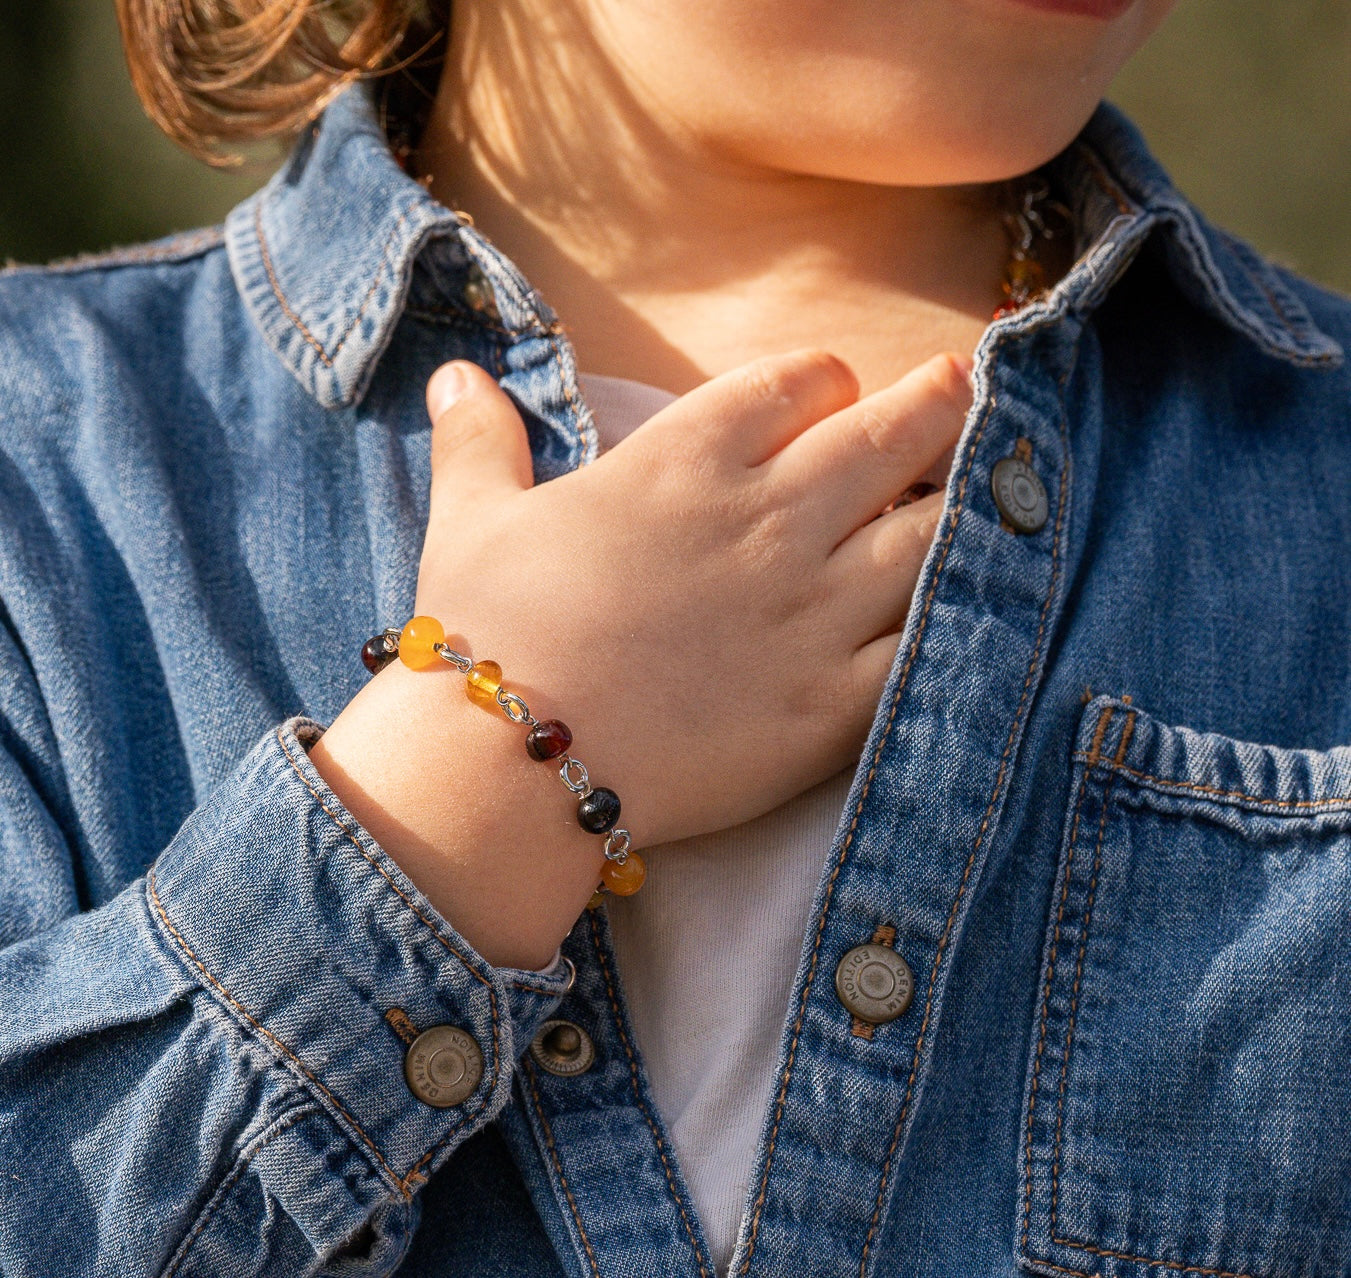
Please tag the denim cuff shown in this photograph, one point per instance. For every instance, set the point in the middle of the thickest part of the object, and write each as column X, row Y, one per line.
column 312, row 938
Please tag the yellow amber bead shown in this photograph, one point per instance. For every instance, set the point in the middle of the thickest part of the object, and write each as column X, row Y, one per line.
column 417, row 643
column 482, row 682
column 596, row 901
column 625, row 879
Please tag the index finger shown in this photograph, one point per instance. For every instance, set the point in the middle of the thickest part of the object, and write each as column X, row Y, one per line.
column 749, row 413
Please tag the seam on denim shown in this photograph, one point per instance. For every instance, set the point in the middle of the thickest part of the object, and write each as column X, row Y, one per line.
column 1033, row 661
column 529, row 1072
column 1100, row 731
column 1102, row 175
column 786, row 1077
column 280, row 1125
column 180, row 248
column 1061, row 1269
column 1333, row 801
column 286, row 306
column 555, row 332
column 375, row 865
column 1074, row 1003
column 1126, row 733
column 1046, row 996
column 638, row 1095
column 527, row 988
column 413, row 1177
column 1176, row 1265
column 1069, row 1046
column 267, row 1033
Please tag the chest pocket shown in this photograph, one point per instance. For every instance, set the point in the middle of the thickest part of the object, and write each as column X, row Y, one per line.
column 1188, row 1101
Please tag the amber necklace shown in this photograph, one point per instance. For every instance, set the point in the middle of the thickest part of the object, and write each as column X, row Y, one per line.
column 1033, row 220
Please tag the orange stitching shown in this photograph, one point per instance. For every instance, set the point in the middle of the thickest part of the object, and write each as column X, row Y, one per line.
column 375, row 865
column 1074, row 1002
column 558, row 1167
column 1126, row 734
column 1149, row 1260
column 637, row 1091
column 267, row 1033
column 849, row 838
column 1062, row 502
column 286, row 306
column 1104, row 179
column 1339, row 800
column 431, row 927
column 1045, row 1004
column 1069, row 1046
column 1095, row 750
column 554, row 332
column 1060, row 1269
column 285, row 1123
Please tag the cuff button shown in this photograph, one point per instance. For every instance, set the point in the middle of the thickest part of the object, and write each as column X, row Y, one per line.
column 443, row 1066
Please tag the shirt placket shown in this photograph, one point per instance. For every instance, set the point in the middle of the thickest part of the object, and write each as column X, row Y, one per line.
column 921, row 818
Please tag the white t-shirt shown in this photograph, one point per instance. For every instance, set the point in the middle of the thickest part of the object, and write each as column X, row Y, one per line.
column 707, row 951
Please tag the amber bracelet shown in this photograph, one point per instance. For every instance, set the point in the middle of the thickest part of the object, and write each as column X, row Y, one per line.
column 421, row 645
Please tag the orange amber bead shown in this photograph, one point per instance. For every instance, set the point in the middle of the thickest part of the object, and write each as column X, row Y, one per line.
column 482, row 682
column 417, row 643
column 625, row 879
column 1023, row 278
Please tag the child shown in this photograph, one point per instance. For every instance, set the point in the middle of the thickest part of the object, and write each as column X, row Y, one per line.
column 973, row 691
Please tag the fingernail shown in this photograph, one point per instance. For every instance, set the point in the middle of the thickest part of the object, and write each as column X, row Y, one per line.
column 448, row 384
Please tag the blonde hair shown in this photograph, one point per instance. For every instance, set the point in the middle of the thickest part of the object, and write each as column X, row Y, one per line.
column 214, row 74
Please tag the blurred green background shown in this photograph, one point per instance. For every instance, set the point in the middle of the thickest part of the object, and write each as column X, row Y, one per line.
column 1248, row 103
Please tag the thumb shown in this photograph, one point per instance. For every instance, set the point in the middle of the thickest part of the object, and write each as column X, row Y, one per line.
column 479, row 445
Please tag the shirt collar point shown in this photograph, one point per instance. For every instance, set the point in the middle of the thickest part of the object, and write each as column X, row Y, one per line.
column 1217, row 270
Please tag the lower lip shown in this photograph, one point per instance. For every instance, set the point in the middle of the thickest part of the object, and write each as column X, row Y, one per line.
column 1101, row 9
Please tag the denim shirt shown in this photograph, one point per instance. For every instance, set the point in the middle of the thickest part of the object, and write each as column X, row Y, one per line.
column 1105, row 804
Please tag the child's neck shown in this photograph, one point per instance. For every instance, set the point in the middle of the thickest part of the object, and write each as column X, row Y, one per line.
column 670, row 264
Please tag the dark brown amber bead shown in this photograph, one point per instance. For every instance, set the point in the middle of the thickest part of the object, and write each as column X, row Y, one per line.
column 548, row 739
column 377, row 652
column 598, row 811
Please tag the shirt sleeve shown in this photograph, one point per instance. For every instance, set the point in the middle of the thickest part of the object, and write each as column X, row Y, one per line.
column 206, row 1074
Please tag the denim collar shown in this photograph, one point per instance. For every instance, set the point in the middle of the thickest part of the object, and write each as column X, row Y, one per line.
column 323, row 254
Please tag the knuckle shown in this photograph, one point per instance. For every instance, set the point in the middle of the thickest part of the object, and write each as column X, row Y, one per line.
column 883, row 436
column 945, row 378
column 780, row 378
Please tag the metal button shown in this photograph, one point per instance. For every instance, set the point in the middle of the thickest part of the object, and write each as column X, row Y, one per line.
column 563, row 1048
column 1019, row 494
column 479, row 293
column 874, row 983
column 443, row 1066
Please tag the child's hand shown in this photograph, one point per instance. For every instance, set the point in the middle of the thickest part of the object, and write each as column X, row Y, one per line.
column 713, row 606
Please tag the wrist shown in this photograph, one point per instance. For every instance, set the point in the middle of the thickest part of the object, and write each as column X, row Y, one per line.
column 449, row 792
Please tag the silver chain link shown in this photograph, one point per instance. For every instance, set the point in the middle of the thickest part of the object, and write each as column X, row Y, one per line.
column 617, row 845
column 572, row 772
column 514, row 708
column 582, row 785
column 457, row 659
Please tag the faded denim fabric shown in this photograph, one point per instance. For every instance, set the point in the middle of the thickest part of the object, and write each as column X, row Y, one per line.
column 1105, row 803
